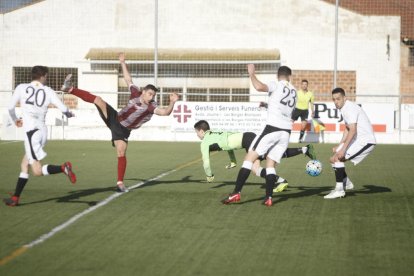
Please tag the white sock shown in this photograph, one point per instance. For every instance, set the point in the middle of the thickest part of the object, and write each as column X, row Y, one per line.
column 44, row 170
column 247, row 165
column 339, row 186
column 280, row 179
column 304, row 150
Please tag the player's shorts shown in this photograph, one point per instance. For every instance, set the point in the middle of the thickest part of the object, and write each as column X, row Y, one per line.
column 357, row 151
column 118, row 131
column 34, row 141
column 272, row 142
column 300, row 113
column 247, row 140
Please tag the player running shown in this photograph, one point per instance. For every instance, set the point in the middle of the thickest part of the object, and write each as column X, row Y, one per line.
column 230, row 141
column 357, row 142
column 139, row 110
column 34, row 99
column 274, row 138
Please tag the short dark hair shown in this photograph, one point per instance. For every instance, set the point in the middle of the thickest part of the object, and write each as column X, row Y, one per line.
column 39, row 71
column 305, row 81
column 202, row 124
column 338, row 90
column 284, row 71
column 150, row 87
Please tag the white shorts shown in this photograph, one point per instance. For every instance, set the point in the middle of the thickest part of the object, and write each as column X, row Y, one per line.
column 272, row 142
column 357, row 151
column 34, row 142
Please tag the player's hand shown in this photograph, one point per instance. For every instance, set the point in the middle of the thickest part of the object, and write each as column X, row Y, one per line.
column 19, row 123
column 231, row 165
column 210, row 178
column 122, row 57
column 251, row 69
column 263, row 104
column 174, row 97
column 69, row 114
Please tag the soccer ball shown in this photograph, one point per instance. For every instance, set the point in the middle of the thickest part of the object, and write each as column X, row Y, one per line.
column 314, row 167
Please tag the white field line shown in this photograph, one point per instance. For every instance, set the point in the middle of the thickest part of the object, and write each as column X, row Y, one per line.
column 76, row 217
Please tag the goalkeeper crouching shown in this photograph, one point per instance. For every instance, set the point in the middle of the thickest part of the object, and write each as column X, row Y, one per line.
column 230, row 141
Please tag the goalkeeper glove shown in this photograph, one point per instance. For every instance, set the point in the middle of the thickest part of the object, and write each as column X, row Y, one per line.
column 210, row 179
column 231, row 165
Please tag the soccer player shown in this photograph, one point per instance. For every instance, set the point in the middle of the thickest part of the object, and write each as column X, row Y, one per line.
column 305, row 100
column 357, row 142
column 274, row 138
column 34, row 99
column 230, row 141
column 139, row 110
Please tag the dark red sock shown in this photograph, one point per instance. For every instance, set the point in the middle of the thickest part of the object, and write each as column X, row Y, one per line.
column 84, row 95
column 121, row 167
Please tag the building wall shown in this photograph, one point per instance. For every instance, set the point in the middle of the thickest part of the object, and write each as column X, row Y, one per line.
column 303, row 30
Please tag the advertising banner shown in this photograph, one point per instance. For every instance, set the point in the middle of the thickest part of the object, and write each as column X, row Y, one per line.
column 242, row 117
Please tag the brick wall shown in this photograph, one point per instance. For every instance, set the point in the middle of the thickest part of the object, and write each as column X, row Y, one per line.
column 404, row 8
column 321, row 82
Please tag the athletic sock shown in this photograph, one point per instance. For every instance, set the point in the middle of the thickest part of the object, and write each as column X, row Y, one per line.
column 270, row 181
column 52, row 169
column 339, row 168
column 244, row 173
column 301, row 134
column 290, row 152
column 121, row 168
column 84, row 95
column 21, row 182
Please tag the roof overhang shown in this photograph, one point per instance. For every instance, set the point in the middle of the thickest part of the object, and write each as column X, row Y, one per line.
column 184, row 55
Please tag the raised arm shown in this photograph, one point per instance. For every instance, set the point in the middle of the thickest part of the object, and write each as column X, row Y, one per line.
column 167, row 110
column 258, row 85
column 125, row 72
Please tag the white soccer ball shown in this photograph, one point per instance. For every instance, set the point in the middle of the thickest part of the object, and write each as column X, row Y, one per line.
column 314, row 167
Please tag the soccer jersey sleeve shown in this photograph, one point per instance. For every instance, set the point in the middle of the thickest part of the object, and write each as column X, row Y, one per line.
column 13, row 102
column 205, row 153
column 272, row 86
column 350, row 114
column 135, row 92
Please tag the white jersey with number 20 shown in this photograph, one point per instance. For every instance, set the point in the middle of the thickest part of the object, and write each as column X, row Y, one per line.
column 34, row 100
column 282, row 101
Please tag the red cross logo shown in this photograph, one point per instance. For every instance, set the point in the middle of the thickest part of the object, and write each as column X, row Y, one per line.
column 182, row 113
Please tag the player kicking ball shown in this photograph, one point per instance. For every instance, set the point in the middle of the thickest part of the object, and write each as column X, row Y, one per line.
column 34, row 99
column 139, row 110
column 230, row 141
column 357, row 142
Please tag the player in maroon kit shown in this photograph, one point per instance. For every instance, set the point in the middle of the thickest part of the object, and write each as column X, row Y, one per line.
column 139, row 110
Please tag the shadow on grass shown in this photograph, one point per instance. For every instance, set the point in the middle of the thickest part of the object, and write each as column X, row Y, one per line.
column 304, row 191
column 75, row 197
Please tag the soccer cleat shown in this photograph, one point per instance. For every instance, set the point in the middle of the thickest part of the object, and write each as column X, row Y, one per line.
column 268, row 202
column 67, row 169
column 310, row 152
column 281, row 186
column 67, row 84
column 335, row 194
column 12, row 201
column 121, row 188
column 235, row 197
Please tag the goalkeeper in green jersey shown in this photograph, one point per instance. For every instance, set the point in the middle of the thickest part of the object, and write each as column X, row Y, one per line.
column 230, row 141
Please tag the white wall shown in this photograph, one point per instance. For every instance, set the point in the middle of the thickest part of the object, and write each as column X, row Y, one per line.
column 59, row 33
